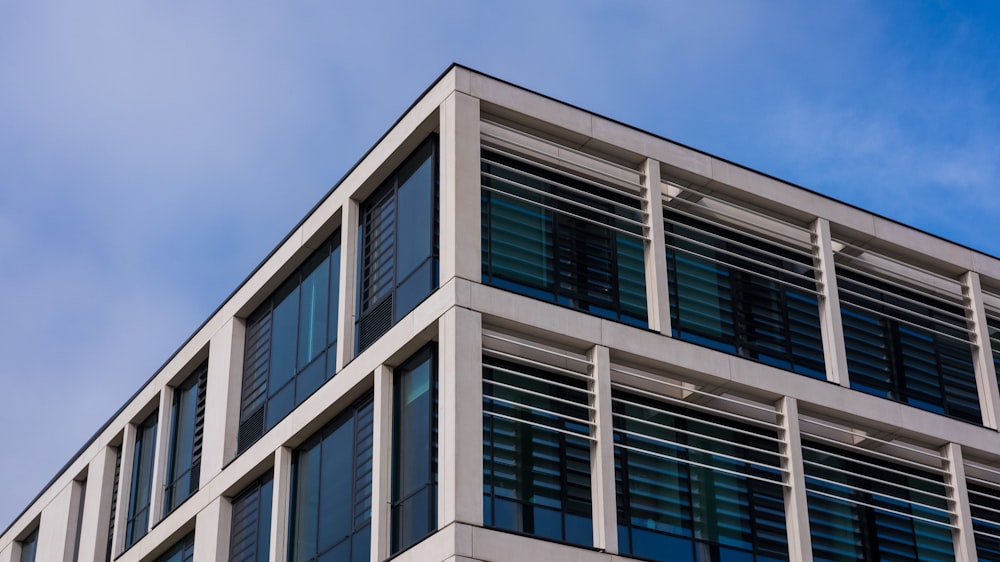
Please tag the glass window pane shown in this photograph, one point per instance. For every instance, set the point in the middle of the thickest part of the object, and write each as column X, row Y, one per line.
column 284, row 331
column 334, row 298
column 314, row 306
column 416, row 219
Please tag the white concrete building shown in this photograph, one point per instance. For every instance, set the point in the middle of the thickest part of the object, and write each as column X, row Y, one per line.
column 520, row 331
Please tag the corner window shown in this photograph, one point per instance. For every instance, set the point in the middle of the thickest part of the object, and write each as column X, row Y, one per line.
column 563, row 239
column 332, row 490
column 187, row 424
column 144, row 452
column 291, row 343
column 250, row 534
column 398, row 244
column 414, row 450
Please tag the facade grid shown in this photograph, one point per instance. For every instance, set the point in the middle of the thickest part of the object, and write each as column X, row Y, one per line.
column 517, row 330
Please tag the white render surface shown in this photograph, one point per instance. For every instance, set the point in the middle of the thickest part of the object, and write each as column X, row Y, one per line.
column 456, row 315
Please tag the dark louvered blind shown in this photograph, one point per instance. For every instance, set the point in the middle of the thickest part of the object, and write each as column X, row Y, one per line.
column 199, row 425
column 562, row 238
column 908, row 346
column 114, row 503
column 255, row 372
column 249, row 535
column 743, row 295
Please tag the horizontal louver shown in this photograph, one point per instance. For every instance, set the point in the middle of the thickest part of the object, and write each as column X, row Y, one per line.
column 906, row 344
column 874, row 504
column 552, row 234
column 256, row 362
column 690, row 473
column 739, row 292
column 984, row 503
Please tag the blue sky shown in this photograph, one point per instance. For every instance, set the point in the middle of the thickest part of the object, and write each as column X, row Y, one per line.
column 151, row 154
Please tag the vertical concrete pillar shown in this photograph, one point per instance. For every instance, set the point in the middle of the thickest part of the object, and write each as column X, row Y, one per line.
column 211, row 531
column 382, row 464
column 280, row 504
column 225, row 383
column 958, row 503
column 986, row 376
column 348, row 276
column 834, row 353
column 75, row 521
column 657, row 291
column 7, row 554
column 97, row 507
column 796, row 508
column 459, row 188
column 124, row 487
column 602, row 454
column 460, row 417
column 55, row 539
column 160, row 456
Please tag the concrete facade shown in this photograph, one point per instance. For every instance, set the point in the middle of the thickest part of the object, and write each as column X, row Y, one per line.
column 469, row 318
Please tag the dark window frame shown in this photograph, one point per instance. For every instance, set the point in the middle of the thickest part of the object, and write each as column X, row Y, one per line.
column 884, row 353
column 775, row 322
column 399, row 543
column 264, row 396
column 585, row 257
column 361, row 417
column 196, row 385
column 137, row 524
column 380, row 283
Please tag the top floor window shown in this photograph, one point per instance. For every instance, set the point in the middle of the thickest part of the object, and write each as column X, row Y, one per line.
column 563, row 239
column 291, row 343
column 739, row 293
column 907, row 346
column 144, row 452
column 187, row 425
column 398, row 244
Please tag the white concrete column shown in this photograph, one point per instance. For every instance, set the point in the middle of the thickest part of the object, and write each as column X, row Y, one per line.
column 8, row 554
column 460, row 417
column 280, row 504
column 958, row 502
column 382, row 464
column 55, row 538
column 211, row 531
column 97, row 507
column 225, row 383
column 348, row 276
column 834, row 353
column 794, row 478
column 124, row 487
column 160, row 455
column 986, row 376
column 602, row 455
column 657, row 290
column 461, row 254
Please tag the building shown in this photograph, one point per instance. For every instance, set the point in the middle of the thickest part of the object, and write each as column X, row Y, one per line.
column 519, row 331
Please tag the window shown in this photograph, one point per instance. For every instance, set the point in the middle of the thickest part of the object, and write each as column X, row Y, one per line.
column 536, row 452
column 907, row 346
column 250, row 537
column 332, row 490
column 739, row 294
column 984, row 502
column 142, row 481
column 398, row 244
column 414, row 450
column 563, row 239
column 871, row 508
column 291, row 343
column 77, row 522
column 696, row 486
column 993, row 337
column 183, row 551
column 28, row 546
column 187, row 424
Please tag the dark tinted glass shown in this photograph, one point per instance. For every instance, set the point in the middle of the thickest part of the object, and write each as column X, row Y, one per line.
column 142, row 481
column 250, row 537
column 28, row 547
column 414, row 495
column 328, row 482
